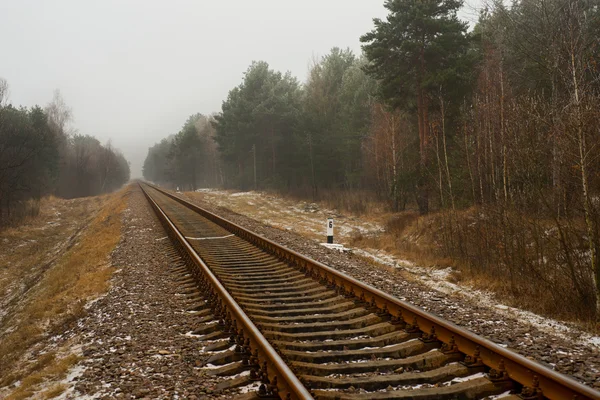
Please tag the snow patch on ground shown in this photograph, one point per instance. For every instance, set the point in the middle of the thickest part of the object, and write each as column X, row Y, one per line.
column 468, row 378
column 212, row 366
column 381, row 257
column 336, row 246
column 245, row 194
column 500, row 396
column 70, row 381
column 253, row 387
column 90, row 303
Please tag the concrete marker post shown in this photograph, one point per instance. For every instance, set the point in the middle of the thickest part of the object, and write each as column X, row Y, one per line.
column 330, row 230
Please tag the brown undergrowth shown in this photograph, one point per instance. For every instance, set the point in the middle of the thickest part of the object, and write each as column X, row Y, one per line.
column 52, row 266
column 358, row 202
column 526, row 262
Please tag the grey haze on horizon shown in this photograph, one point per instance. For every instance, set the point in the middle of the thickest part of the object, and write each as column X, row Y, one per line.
column 133, row 71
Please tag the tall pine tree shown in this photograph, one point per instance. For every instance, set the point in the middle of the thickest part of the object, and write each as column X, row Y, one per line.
column 413, row 53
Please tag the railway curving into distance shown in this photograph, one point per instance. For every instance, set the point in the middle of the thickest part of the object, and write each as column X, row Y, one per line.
column 303, row 330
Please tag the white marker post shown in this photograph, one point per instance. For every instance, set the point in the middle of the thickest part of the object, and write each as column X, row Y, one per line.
column 330, row 230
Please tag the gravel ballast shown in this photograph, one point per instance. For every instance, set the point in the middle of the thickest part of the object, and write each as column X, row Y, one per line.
column 136, row 339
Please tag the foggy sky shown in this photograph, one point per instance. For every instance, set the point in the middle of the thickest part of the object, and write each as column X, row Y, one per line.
column 133, row 71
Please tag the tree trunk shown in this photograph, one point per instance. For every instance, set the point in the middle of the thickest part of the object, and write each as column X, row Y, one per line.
column 480, row 168
column 490, row 135
column 448, row 178
column 587, row 206
column 312, row 168
column 273, row 158
column 422, row 114
column 502, row 135
column 439, row 166
column 468, row 157
column 194, row 166
column 392, row 130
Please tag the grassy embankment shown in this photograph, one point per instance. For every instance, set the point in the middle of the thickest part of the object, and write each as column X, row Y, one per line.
column 51, row 266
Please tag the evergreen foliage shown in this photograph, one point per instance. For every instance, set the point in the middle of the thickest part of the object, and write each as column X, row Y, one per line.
column 38, row 157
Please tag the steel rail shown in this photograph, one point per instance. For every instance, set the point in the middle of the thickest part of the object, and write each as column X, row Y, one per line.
column 532, row 375
column 288, row 384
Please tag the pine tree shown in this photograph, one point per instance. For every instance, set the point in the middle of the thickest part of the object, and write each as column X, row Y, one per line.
column 413, row 53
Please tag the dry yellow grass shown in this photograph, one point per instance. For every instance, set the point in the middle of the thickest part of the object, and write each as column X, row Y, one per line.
column 54, row 370
column 66, row 266
column 54, row 391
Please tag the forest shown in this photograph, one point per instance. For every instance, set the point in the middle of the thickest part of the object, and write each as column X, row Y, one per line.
column 40, row 155
column 493, row 130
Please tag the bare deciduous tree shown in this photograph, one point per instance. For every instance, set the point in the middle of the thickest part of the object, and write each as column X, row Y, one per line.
column 4, row 92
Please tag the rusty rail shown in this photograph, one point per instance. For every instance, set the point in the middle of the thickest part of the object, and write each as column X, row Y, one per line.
column 536, row 379
column 289, row 386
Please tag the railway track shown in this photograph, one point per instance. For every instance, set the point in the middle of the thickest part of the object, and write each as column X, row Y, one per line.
column 304, row 330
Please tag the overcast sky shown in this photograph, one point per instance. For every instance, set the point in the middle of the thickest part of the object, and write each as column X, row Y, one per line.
column 133, row 71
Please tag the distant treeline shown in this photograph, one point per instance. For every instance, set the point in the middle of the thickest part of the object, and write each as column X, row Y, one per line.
column 187, row 159
column 431, row 116
column 39, row 157
column 301, row 136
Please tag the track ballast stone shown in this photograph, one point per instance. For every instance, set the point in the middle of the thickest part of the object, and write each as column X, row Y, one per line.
column 580, row 361
column 135, row 342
